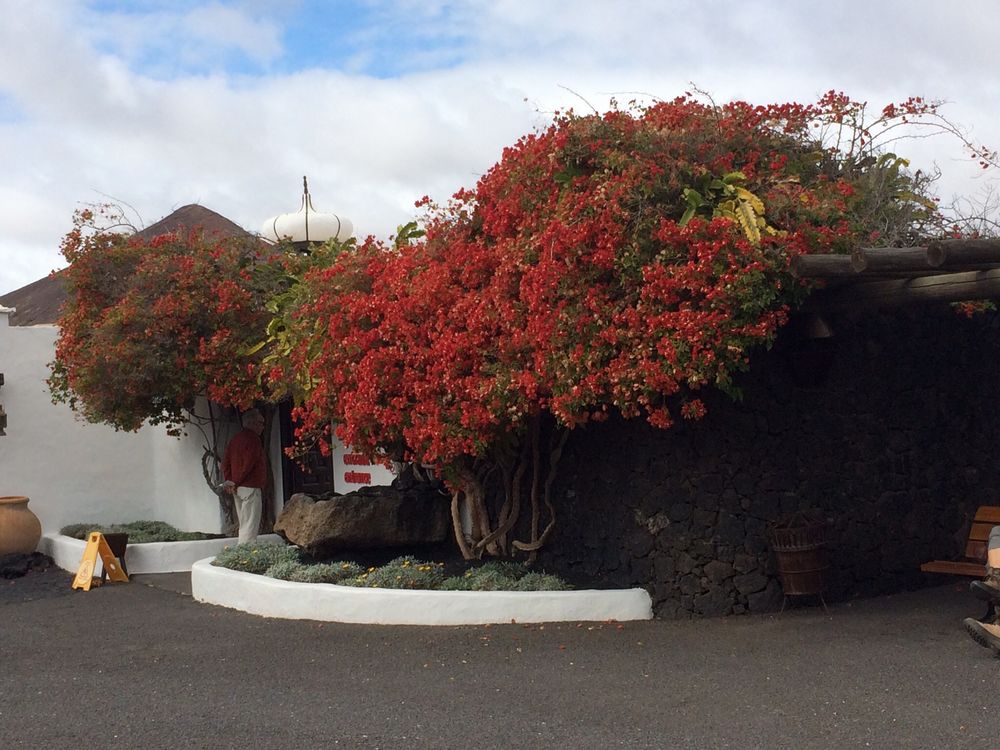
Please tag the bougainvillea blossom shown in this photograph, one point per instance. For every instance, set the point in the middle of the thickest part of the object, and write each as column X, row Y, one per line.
column 618, row 262
column 152, row 324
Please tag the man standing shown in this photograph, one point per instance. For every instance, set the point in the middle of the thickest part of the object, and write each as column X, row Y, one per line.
column 244, row 468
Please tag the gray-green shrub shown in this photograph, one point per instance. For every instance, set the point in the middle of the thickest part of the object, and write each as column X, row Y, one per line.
column 139, row 532
column 284, row 570
column 326, row 572
column 285, row 563
column 535, row 581
column 255, row 557
column 402, row 573
column 503, row 576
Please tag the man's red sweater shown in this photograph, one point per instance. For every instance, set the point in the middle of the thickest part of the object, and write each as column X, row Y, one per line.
column 245, row 463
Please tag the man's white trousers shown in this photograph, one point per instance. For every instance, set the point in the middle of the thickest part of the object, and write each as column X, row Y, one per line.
column 248, row 502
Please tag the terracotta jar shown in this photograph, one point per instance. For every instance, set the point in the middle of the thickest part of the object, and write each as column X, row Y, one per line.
column 19, row 527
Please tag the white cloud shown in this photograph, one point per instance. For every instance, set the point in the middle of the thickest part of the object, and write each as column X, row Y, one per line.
column 168, row 40
column 95, row 119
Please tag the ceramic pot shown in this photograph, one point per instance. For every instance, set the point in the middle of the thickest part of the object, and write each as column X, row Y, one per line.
column 20, row 529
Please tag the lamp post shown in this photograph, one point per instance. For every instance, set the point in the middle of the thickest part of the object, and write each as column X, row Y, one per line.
column 306, row 226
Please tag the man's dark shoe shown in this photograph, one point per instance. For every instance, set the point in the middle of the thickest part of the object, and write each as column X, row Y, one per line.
column 985, row 591
column 983, row 633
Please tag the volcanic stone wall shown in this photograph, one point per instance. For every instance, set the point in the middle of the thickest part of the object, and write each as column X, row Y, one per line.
column 891, row 433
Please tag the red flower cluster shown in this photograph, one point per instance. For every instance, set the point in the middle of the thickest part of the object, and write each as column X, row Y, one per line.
column 152, row 324
column 566, row 283
column 610, row 263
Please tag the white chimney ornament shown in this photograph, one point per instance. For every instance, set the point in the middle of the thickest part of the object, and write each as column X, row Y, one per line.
column 307, row 224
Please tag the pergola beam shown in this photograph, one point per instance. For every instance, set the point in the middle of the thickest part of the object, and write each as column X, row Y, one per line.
column 960, row 253
column 951, row 255
column 947, row 287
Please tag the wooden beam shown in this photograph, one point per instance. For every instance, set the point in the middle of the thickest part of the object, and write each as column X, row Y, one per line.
column 880, row 275
column 964, row 253
column 948, row 287
column 889, row 259
column 869, row 260
column 955, row 255
column 827, row 266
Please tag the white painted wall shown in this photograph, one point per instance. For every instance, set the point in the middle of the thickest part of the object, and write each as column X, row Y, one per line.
column 78, row 472
column 269, row 597
column 179, row 492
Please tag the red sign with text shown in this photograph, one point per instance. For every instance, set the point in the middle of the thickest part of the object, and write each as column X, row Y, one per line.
column 351, row 470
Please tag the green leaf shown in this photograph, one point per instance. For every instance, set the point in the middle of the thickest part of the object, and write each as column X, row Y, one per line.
column 746, row 196
column 748, row 220
column 256, row 347
column 693, row 197
column 897, row 161
column 906, row 195
column 567, row 175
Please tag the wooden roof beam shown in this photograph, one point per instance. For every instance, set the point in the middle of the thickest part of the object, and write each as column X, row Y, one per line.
column 962, row 253
column 948, row 287
column 869, row 260
column 956, row 255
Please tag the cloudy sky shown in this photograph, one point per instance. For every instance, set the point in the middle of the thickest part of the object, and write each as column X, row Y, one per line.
column 161, row 103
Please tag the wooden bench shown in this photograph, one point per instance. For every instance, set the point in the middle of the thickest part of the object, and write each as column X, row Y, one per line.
column 974, row 562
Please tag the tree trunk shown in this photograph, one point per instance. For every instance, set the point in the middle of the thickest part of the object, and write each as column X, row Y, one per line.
column 557, row 441
column 481, row 535
column 456, row 522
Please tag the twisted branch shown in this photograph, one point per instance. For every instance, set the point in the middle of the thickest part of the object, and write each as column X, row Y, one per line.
column 537, row 543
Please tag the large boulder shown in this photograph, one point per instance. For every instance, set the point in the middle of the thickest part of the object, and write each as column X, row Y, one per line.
column 368, row 518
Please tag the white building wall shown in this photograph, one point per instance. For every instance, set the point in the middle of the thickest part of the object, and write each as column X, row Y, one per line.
column 76, row 472
column 180, row 494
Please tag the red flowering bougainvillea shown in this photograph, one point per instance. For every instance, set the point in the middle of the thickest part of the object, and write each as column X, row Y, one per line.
column 616, row 262
column 151, row 324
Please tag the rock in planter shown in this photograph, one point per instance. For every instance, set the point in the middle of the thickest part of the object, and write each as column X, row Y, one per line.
column 368, row 518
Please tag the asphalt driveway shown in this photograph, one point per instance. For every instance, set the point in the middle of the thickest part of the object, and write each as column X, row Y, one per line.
column 139, row 665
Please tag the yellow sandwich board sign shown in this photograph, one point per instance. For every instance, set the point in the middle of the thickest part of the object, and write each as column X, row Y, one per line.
column 97, row 545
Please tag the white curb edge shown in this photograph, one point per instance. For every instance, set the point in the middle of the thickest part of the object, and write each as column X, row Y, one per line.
column 152, row 557
column 270, row 597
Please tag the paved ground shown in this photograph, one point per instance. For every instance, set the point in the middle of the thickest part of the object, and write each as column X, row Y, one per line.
column 140, row 665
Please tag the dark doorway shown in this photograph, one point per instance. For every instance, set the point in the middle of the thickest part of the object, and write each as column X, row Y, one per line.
column 315, row 475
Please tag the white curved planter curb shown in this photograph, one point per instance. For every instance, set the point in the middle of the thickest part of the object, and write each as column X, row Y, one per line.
column 326, row 602
column 153, row 557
